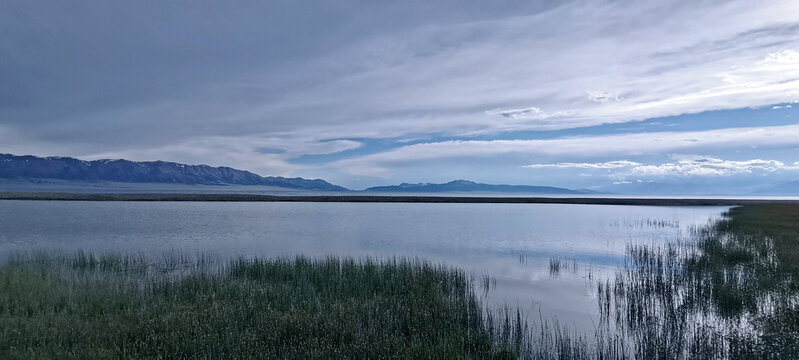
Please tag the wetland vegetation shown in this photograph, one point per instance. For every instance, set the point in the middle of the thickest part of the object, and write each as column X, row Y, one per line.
column 729, row 291
column 112, row 306
column 732, row 291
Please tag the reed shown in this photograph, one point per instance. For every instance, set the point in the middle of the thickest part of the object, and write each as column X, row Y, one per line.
column 559, row 264
column 731, row 291
column 115, row 306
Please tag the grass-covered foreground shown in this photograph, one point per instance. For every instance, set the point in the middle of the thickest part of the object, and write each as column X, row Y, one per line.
column 85, row 306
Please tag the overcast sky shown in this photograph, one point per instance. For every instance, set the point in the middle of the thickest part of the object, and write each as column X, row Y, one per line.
column 584, row 94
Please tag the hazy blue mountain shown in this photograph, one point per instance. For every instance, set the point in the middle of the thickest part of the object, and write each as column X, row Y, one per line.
column 27, row 168
column 470, row 186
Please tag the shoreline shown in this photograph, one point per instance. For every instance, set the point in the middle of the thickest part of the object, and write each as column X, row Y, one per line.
column 66, row 196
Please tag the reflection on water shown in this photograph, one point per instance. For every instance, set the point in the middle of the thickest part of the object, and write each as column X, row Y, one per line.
column 513, row 244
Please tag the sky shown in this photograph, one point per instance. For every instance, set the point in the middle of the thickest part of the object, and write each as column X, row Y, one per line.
column 620, row 96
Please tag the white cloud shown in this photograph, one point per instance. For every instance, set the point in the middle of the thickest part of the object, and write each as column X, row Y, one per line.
column 602, row 165
column 683, row 165
column 788, row 57
column 668, row 66
column 627, row 144
column 692, row 165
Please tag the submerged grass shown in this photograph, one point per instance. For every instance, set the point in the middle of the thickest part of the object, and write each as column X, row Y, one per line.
column 113, row 306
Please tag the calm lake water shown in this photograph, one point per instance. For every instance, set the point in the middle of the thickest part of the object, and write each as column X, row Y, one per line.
column 512, row 243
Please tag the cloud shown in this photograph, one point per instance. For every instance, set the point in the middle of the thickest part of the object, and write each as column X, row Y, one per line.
column 657, row 80
column 692, row 165
column 527, row 113
column 603, row 97
column 785, row 57
column 437, row 70
column 239, row 152
column 603, row 165
column 684, row 165
column 586, row 146
column 516, row 113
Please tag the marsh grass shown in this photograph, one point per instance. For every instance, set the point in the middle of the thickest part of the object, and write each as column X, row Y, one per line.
column 648, row 223
column 729, row 292
column 114, row 306
column 557, row 265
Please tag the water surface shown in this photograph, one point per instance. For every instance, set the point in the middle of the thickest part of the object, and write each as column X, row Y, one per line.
column 512, row 243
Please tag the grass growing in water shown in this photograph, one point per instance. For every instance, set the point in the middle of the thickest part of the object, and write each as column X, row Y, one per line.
column 558, row 264
column 111, row 306
column 732, row 292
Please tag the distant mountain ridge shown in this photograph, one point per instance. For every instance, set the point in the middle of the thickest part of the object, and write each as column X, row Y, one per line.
column 470, row 186
column 65, row 168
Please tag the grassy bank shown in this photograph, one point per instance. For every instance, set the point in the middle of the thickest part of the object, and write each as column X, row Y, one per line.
column 84, row 306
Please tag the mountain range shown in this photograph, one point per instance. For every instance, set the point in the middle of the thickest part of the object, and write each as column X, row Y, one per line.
column 27, row 168
column 44, row 172
column 470, row 186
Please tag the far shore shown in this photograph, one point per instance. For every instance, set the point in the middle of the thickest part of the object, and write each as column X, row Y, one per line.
column 64, row 196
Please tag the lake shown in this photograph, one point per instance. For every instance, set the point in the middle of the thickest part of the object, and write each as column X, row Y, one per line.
column 513, row 244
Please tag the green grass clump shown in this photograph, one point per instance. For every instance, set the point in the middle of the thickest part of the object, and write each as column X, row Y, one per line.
column 112, row 306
